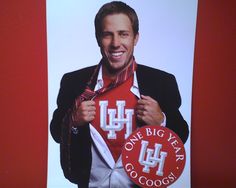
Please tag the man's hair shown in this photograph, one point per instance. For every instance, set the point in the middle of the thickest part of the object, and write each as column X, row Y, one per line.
column 115, row 7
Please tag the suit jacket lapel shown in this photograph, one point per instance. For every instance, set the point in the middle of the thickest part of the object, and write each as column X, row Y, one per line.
column 143, row 83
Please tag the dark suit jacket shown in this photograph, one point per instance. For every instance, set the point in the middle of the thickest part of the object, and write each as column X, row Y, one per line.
column 155, row 83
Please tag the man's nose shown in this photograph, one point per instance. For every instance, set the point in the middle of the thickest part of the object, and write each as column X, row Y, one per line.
column 115, row 41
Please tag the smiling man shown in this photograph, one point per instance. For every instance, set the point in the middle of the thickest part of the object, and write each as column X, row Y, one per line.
column 117, row 41
column 100, row 106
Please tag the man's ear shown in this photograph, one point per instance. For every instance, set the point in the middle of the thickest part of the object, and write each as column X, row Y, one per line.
column 99, row 43
column 136, row 38
column 98, row 40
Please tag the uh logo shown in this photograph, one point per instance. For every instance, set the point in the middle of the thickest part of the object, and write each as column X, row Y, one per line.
column 117, row 118
column 153, row 157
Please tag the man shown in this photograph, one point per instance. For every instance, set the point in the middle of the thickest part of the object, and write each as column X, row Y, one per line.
column 100, row 106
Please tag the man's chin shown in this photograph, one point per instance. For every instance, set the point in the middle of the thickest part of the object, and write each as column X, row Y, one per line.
column 115, row 67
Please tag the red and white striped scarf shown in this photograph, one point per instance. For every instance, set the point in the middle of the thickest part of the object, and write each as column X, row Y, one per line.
column 89, row 93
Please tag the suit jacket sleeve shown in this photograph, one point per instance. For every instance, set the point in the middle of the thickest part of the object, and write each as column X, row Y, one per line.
column 163, row 87
column 72, row 85
column 75, row 148
column 64, row 101
column 172, row 102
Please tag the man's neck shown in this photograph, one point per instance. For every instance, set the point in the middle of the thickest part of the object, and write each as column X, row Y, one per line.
column 112, row 74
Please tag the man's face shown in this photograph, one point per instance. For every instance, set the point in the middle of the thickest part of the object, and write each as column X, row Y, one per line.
column 117, row 41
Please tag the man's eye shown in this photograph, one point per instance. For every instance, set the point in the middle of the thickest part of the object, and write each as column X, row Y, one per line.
column 124, row 34
column 106, row 34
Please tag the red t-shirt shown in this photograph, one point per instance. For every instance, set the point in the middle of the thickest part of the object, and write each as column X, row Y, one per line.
column 115, row 115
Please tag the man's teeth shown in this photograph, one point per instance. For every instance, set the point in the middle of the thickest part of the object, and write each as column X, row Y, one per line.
column 116, row 54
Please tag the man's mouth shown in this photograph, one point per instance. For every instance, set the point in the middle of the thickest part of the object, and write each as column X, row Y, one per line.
column 116, row 55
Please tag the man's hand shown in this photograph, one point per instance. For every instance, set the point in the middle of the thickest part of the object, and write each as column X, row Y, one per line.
column 84, row 113
column 149, row 111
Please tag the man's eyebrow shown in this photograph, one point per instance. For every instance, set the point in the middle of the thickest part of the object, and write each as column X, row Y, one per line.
column 107, row 31
column 123, row 31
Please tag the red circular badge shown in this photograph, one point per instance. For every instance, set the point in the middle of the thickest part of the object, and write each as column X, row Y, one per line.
column 153, row 156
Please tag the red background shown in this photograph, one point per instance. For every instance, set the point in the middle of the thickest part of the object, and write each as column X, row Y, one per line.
column 23, row 91
column 214, row 96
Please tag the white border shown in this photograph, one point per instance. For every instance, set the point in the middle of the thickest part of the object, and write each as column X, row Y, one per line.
column 167, row 35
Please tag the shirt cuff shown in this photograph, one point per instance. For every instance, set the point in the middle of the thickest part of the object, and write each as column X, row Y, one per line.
column 74, row 130
column 163, row 124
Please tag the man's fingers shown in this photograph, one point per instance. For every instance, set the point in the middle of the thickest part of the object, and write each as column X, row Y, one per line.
column 91, row 108
column 148, row 98
column 143, row 118
column 90, row 103
column 87, row 105
column 91, row 113
column 87, row 112
column 140, row 107
column 143, row 102
column 141, row 112
column 148, row 110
